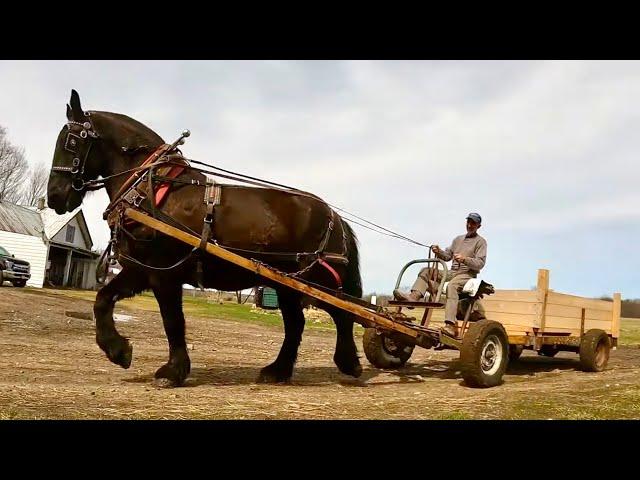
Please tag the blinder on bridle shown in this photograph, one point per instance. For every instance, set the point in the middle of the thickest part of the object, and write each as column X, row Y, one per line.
column 77, row 143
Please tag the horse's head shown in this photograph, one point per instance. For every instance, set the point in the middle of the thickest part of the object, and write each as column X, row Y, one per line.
column 72, row 164
column 89, row 145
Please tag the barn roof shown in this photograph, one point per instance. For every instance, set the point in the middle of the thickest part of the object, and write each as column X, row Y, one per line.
column 31, row 221
column 19, row 219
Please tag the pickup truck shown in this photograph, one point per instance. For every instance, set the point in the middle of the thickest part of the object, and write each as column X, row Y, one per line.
column 13, row 270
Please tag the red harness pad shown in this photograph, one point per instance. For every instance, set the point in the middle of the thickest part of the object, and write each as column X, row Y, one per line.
column 163, row 189
column 332, row 271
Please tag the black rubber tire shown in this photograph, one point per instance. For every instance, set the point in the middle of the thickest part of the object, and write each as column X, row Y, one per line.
column 473, row 345
column 382, row 352
column 548, row 351
column 594, row 351
column 1, row 278
column 19, row 283
column 514, row 352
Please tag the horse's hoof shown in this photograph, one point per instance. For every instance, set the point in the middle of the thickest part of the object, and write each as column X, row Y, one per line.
column 174, row 375
column 119, row 351
column 352, row 368
column 163, row 383
column 126, row 355
column 271, row 375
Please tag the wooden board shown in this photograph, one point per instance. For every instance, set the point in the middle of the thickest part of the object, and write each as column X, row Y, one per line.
column 572, row 300
column 513, row 295
column 569, row 311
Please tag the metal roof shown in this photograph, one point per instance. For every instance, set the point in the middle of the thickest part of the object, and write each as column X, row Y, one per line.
column 18, row 219
column 33, row 222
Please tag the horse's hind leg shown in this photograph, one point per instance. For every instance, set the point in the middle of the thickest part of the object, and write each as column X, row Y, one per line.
column 126, row 284
column 281, row 369
column 346, row 354
column 175, row 371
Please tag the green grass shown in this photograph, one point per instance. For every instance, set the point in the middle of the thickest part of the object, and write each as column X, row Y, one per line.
column 194, row 306
column 630, row 331
column 201, row 307
column 607, row 403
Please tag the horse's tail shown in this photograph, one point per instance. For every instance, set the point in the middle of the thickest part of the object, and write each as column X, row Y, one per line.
column 352, row 283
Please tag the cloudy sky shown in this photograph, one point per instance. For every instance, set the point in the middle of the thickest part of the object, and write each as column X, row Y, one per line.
column 546, row 152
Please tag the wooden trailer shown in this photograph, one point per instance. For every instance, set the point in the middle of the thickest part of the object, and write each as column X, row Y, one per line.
column 550, row 321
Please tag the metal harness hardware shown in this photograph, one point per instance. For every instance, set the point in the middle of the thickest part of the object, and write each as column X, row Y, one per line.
column 212, row 195
column 134, row 197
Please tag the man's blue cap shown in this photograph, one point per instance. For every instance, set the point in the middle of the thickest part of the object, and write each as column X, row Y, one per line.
column 475, row 217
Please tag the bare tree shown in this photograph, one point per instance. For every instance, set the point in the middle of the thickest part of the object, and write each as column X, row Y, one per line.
column 13, row 167
column 37, row 185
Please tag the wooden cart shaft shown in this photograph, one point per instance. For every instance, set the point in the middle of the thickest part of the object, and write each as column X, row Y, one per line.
column 365, row 317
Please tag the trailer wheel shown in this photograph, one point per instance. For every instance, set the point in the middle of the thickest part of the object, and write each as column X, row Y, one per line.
column 484, row 354
column 594, row 350
column 548, row 351
column 383, row 352
column 514, row 352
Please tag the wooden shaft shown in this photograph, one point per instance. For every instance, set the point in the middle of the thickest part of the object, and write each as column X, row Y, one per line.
column 364, row 316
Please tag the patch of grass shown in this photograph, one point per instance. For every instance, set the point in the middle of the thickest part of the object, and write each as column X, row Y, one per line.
column 195, row 306
column 606, row 403
column 630, row 331
column 454, row 416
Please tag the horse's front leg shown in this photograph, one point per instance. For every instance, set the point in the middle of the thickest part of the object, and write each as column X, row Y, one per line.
column 175, row 371
column 281, row 370
column 126, row 284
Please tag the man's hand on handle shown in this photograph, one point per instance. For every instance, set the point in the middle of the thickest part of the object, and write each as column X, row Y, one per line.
column 459, row 258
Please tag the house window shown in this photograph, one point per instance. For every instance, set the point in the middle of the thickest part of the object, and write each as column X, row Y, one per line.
column 71, row 231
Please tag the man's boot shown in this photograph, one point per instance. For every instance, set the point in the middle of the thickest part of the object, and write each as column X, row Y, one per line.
column 414, row 296
column 450, row 328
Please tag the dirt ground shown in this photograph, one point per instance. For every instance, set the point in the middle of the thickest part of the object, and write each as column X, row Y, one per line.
column 51, row 368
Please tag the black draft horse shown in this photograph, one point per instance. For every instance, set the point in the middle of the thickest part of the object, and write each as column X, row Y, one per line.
column 102, row 145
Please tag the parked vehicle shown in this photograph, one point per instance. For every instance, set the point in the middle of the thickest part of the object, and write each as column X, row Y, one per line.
column 13, row 269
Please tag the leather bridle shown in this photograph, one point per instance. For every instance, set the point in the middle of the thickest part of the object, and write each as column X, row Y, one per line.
column 79, row 144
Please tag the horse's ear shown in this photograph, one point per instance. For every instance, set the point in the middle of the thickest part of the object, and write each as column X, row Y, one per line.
column 76, row 108
column 69, row 114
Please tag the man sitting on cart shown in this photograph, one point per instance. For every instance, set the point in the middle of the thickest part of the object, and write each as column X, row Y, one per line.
column 469, row 254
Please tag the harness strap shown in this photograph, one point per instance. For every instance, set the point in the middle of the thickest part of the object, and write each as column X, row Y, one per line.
column 327, row 234
column 212, row 194
column 136, row 176
column 332, row 271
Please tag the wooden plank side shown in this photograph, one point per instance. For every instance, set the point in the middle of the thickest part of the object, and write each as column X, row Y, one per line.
column 516, row 331
column 573, row 324
column 513, row 319
column 521, row 308
column 575, row 301
column 570, row 311
column 514, row 295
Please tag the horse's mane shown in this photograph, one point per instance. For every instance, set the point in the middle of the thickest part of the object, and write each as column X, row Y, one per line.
column 135, row 128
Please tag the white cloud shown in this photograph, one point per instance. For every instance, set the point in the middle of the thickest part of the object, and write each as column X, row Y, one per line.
column 541, row 149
